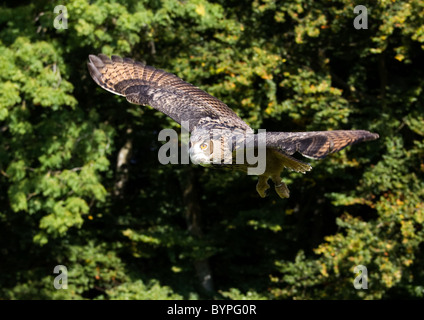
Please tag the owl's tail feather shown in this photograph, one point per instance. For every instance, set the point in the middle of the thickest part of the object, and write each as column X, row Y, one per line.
column 293, row 164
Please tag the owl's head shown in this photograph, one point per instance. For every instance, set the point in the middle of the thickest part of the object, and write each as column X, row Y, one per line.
column 201, row 149
column 210, row 147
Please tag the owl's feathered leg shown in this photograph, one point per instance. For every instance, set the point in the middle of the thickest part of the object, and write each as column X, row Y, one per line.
column 262, row 186
column 280, row 187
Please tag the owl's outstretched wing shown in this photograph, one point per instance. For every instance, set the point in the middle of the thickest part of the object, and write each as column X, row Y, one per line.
column 316, row 144
column 145, row 85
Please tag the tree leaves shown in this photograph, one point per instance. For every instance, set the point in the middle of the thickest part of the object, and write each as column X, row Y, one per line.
column 281, row 65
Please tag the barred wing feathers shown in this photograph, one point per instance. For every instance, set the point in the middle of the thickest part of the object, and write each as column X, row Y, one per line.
column 145, row 85
column 316, row 144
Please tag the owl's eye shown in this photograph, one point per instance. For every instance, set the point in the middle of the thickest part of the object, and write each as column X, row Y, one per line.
column 203, row 146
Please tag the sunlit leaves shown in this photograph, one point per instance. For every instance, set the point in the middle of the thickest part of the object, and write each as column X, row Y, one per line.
column 286, row 65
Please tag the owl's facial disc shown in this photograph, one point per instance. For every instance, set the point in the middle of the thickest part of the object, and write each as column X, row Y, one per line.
column 201, row 152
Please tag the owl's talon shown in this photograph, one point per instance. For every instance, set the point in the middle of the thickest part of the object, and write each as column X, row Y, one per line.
column 282, row 190
column 280, row 187
column 262, row 186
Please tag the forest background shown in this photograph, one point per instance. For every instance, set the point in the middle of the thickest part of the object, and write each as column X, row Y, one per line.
column 81, row 185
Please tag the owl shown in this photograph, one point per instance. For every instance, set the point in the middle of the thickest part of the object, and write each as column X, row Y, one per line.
column 218, row 136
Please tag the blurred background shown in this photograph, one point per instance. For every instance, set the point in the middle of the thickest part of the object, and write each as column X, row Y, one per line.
column 81, row 184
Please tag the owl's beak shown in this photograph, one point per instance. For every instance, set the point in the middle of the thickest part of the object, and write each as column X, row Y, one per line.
column 199, row 158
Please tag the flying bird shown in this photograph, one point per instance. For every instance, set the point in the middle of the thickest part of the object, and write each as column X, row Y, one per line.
column 216, row 132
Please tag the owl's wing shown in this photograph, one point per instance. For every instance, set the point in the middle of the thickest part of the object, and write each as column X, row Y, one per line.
column 316, row 144
column 145, row 85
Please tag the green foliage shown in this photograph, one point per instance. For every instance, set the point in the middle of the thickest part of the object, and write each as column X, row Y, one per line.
column 139, row 291
column 281, row 65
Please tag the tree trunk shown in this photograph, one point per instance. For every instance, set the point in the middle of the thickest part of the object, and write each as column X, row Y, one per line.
column 124, row 156
column 193, row 215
